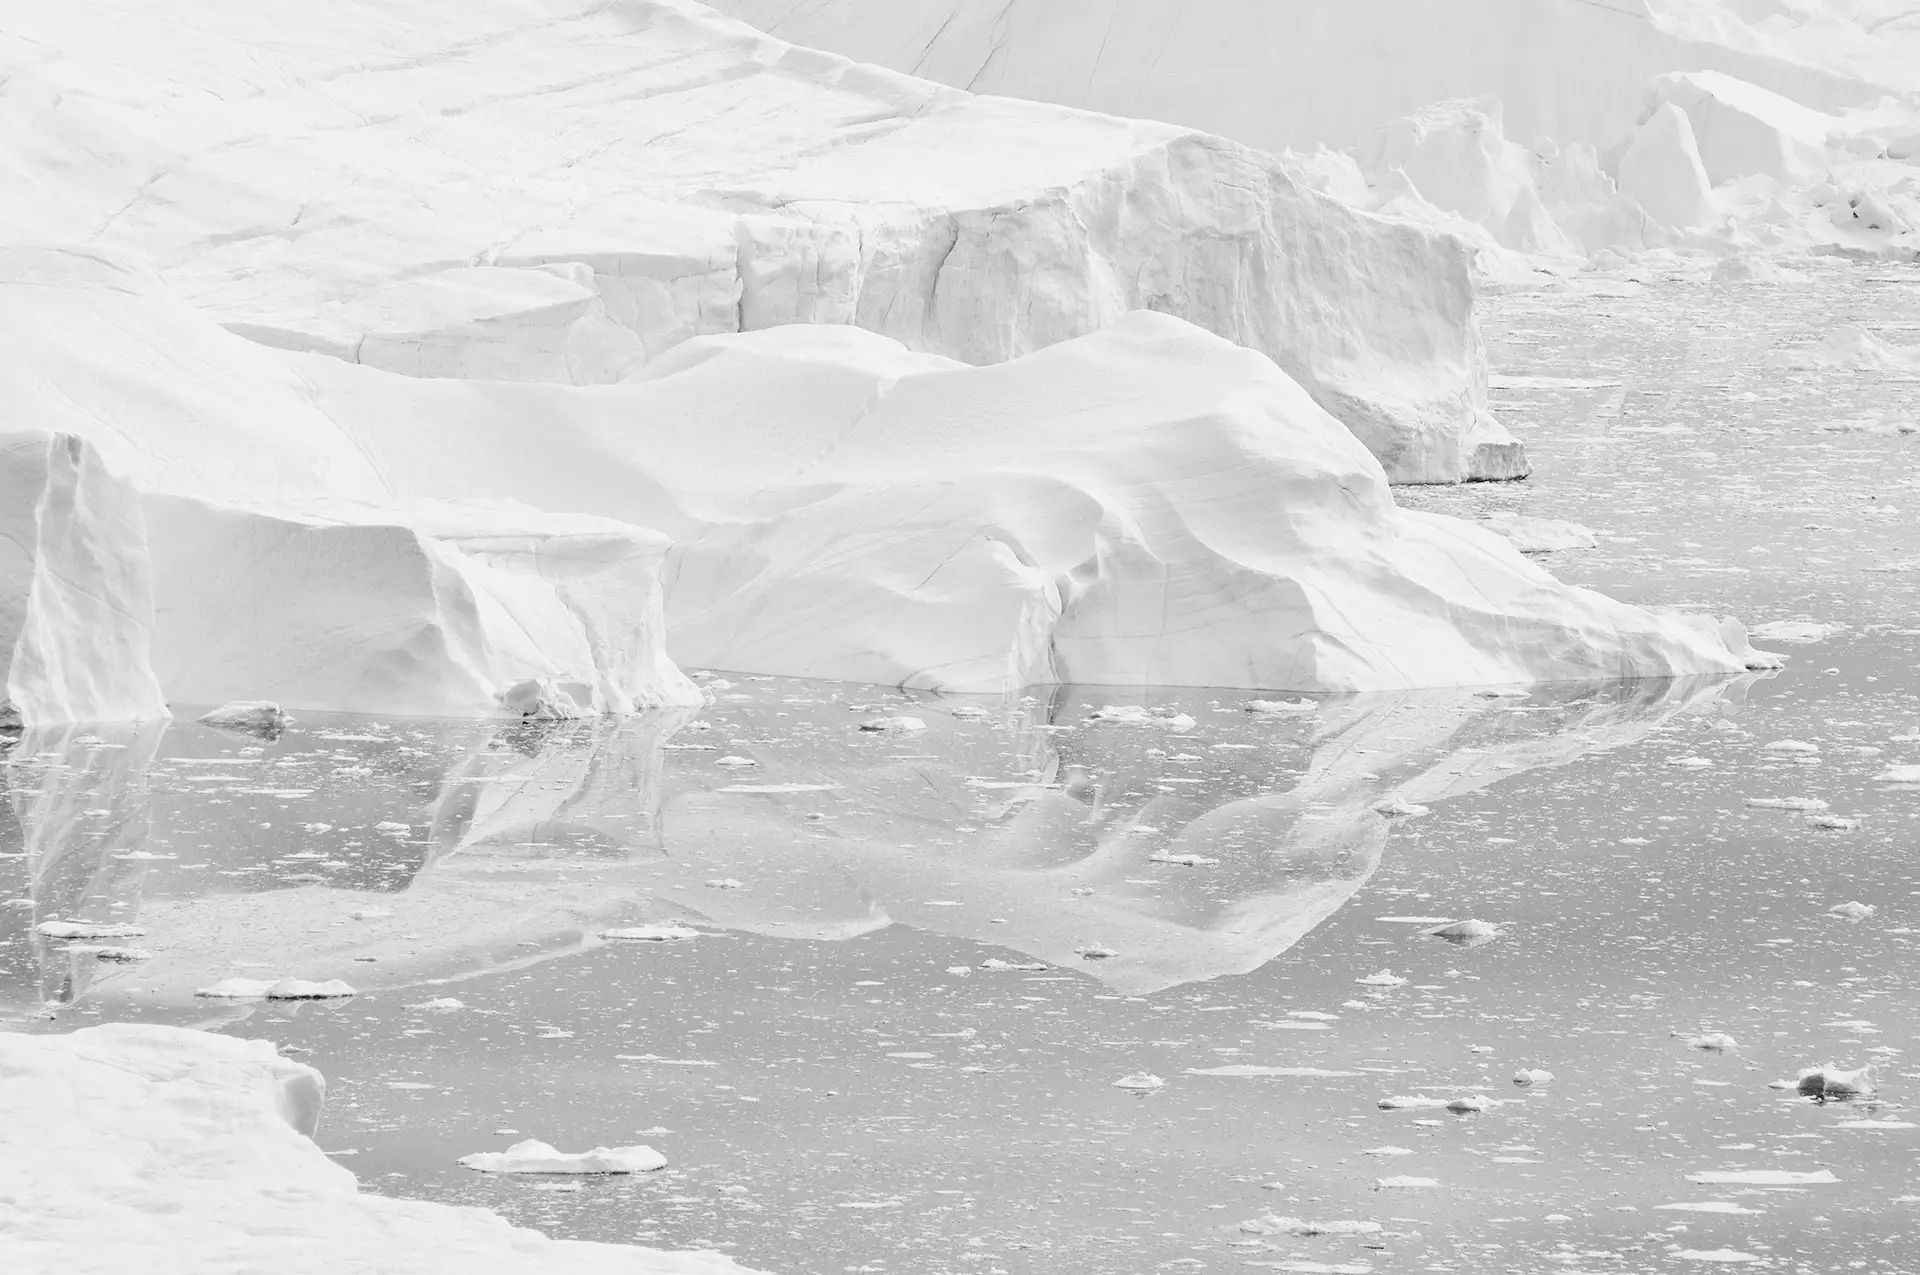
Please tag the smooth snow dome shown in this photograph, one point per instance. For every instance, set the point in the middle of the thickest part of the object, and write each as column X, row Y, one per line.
column 156, row 1149
column 1146, row 504
column 556, row 192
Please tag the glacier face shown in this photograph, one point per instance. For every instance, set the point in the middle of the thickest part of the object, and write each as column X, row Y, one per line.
column 555, row 191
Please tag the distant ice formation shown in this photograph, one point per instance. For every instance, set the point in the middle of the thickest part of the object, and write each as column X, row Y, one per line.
column 179, row 1152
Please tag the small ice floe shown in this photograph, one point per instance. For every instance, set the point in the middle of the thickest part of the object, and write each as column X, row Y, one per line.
column 393, row 828
column 440, row 1005
column 725, row 883
column 1135, row 715
column 89, row 930
column 892, row 725
column 1899, row 775
column 1182, row 860
column 667, row 932
column 1281, row 706
column 248, row 716
column 1465, row 933
column 1730, row 1256
column 1795, row 631
column 1288, row 1073
column 1411, row 1103
column 1388, row 1151
column 968, row 712
column 1403, row 1183
column 1532, row 1078
column 1690, row 763
column 1833, row 823
column 735, row 762
column 1799, row 746
column 1470, row 1103
column 1831, row 1083
column 1876, row 1124
column 1542, row 535
column 1141, row 1081
column 1269, row 1224
column 1712, row 1042
column 997, row 965
column 1382, row 978
column 1094, row 952
column 142, row 856
column 1787, row 803
column 370, row 914
column 1855, row 911
column 960, row 971
column 534, row 1156
column 1707, row 1206
column 1503, row 692
column 1398, row 807
column 1763, row 1177
column 283, row 989
column 101, row 952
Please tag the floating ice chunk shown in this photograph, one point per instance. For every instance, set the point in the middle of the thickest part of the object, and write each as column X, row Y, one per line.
column 1382, row 978
column 736, row 761
column 1285, row 1073
column 1412, row 1104
column 1834, row 823
column 960, row 971
column 1387, row 1184
column 1795, row 631
column 440, row 1004
column 1854, row 911
column 117, row 955
column 1708, row 1206
column 1832, row 1082
column 1466, row 933
column 1690, row 763
column 1713, row 1042
column 1094, row 952
column 1135, row 715
column 1787, row 803
column 1139, row 1080
column 1182, row 860
column 725, row 883
column 543, row 699
column 370, row 914
column 1899, row 775
column 251, row 716
column 284, row 989
column 1763, row 1177
column 1876, row 1124
column 968, row 712
column 664, row 933
column 892, row 725
column 1542, row 535
column 1532, row 1078
column 997, row 965
column 1732, row 1256
column 392, row 827
column 1272, row 706
column 89, row 930
column 1388, row 1151
column 1269, row 1224
column 1398, row 807
column 534, row 1156
column 1790, row 746
column 1469, row 1103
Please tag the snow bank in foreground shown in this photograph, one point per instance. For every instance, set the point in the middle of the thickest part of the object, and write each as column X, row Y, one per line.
column 556, row 191
column 1147, row 504
column 135, row 1147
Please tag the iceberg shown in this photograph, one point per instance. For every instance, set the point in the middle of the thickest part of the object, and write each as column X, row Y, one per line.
column 177, row 1152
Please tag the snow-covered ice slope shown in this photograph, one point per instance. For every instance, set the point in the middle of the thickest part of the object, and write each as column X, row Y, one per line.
column 1324, row 71
column 1149, row 504
column 136, row 1147
column 556, row 190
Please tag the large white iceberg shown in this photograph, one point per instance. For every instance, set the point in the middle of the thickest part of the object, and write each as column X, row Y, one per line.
column 136, row 1147
column 1146, row 504
column 556, row 191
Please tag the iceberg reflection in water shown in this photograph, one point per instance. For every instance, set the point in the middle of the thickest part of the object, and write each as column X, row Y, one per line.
column 387, row 852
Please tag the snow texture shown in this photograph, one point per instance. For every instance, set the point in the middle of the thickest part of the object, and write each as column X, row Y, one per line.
column 174, row 1152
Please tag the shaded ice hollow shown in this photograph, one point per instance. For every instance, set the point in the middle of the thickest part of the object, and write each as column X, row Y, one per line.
column 196, row 1154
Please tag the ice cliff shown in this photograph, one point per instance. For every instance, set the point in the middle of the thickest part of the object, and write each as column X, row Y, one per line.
column 1146, row 504
column 162, row 1150
column 557, row 190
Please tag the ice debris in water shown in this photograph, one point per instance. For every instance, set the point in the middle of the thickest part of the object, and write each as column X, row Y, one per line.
column 1713, row 1042
column 667, row 933
column 1790, row 746
column 284, row 989
column 968, row 712
column 1833, row 823
column 1469, row 1103
column 1270, row 1224
column 1763, row 1177
column 1787, row 803
column 1731, row 1256
column 89, row 930
column 1397, row 806
column 1532, row 1078
column 1281, row 705
column 1135, row 715
column 725, row 883
column 251, row 716
column 370, row 914
column 960, row 971
column 440, row 1004
column 1182, row 860
column 542, row 699
column 1899, row 775
column 892, row 725
column 1140, row 1080
column 392, row 826
column 1382, row 978
column 99, row 952
column 736, row 761
column 1094, row 952
column 1541, row 535
column 1832, row 1082
column 1855, row 911
column 1388, row 1184
column 1795, row 631
column 1465, row 933
column 996, row 964
column 534, row 1156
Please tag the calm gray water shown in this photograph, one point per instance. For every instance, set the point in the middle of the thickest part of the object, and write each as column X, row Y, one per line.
column 841, row 1085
